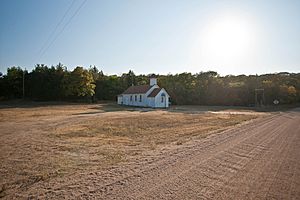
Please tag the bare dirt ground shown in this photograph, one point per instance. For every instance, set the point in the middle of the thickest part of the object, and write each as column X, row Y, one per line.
column 108, row 152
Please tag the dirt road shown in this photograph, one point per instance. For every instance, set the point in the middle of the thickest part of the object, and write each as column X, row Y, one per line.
column 259, row 160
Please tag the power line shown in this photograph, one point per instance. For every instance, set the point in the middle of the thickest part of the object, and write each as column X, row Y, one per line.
column 66, row 24
column 56, row 27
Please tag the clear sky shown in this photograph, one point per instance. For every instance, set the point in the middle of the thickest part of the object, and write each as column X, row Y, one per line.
column 152, row 36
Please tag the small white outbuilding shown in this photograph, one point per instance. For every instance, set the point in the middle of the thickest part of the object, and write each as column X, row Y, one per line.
column 145, row 96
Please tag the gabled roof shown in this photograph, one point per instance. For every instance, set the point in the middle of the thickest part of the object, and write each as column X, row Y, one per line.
column 138, row 89
column 154, row 92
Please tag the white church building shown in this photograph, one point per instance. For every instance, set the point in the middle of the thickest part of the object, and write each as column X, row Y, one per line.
column 145, row 96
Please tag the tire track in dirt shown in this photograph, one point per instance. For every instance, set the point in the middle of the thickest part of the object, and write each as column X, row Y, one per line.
column 222, row 169
column 151, row 165
column 259, row 160
column 214, row 175
column 143, row 167
column 184, row 159
column 250, row 184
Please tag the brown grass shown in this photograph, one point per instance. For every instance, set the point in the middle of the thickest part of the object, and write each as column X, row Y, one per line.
column 39, row 143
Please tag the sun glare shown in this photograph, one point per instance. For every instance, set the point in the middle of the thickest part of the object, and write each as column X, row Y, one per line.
column 227, row 37
column 224, row 41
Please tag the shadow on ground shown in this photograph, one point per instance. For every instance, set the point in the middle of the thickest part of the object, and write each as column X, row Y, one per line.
column 107, row 106
column 190, row 109
column 197, row 109
column 35, row 104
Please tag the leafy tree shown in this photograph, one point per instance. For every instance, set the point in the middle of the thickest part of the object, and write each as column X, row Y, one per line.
column 204, row 88
column 128, row 79
column 14, row 82
column 79, row 83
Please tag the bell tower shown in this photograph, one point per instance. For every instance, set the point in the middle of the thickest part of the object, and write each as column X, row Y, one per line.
column 153, row 80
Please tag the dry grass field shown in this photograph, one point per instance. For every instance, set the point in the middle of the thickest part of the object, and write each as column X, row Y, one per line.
column 42, row 142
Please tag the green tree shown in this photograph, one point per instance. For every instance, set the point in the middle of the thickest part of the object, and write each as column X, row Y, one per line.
column 79, row 83
column 14, row 82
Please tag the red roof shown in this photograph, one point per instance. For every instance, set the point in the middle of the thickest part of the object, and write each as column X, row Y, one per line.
column 154, row 92
column 138, row 89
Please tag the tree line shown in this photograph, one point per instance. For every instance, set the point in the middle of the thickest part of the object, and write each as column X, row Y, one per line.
column 56, row 83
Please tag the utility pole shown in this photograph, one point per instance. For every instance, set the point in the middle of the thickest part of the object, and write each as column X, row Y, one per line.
column 259, row 97
column 24, row 83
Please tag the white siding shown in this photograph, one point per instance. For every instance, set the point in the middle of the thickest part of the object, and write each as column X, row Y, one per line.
column 134, row 101
column 120, row 100
column 151, row 102
column 154, row 102
column 158, row 99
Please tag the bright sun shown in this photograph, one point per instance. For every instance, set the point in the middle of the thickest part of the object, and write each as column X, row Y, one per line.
column 224, row 41
column 228, row 37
